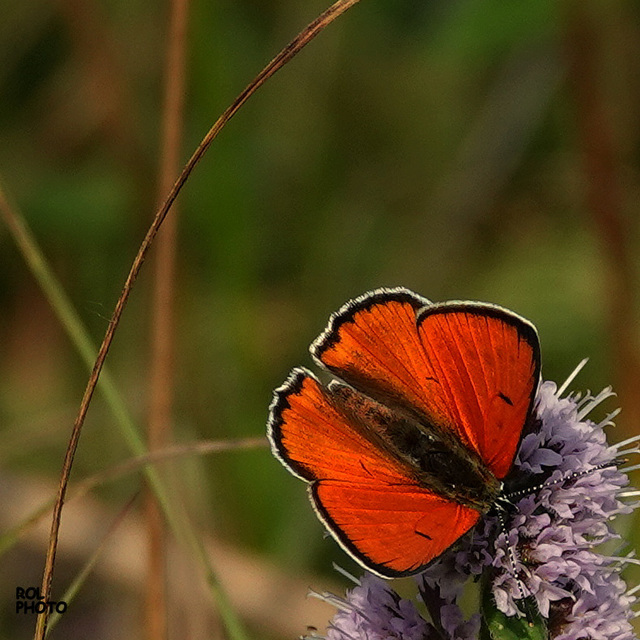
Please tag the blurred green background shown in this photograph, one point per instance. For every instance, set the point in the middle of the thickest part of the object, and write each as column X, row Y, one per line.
column 452, row 147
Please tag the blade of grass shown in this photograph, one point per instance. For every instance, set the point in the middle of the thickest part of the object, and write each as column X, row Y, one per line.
column 66, row 313
column 77, row 332
column 79, row 336
column 289, row 51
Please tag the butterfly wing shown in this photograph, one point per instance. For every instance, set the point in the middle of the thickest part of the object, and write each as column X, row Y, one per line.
column 372, row 343
column 393, row 530
column 468, row 369
column 367, row 498
column 487, row 364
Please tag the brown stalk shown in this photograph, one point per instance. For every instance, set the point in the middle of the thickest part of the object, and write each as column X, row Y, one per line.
column 605, row 198
column 162, row 320
column 293, row 48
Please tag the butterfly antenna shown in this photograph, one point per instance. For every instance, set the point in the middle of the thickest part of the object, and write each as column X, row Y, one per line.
column 528, row 603
column 574, row 475
column 511, row 555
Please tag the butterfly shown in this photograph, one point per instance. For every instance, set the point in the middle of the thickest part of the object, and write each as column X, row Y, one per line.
column 407, row 447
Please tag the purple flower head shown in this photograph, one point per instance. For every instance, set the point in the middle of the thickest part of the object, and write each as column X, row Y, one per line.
column 373, row 611
column 542, row 546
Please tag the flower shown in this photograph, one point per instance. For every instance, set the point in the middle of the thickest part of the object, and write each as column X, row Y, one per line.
column 543, row 546
column 374, row 611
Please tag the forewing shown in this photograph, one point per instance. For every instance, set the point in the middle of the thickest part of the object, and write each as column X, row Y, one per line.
column 316, row 441
column 469, row 370
column 368, row 499
column 486, row 361
column 373, row 344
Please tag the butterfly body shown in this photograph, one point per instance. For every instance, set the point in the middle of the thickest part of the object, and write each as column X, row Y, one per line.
column 408, row 447
column 435, row 460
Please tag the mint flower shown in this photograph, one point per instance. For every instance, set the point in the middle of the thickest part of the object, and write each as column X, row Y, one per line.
column 565, row 491
column 374, row 611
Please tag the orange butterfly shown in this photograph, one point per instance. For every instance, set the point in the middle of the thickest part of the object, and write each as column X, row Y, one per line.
column 407, row 449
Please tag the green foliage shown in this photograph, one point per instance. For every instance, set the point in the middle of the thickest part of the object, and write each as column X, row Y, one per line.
column 497, row 626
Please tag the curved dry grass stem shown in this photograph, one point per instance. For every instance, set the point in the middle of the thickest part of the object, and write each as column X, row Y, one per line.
column 289, row 51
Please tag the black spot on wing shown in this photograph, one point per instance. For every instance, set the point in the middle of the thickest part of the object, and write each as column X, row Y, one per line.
column 424, row 535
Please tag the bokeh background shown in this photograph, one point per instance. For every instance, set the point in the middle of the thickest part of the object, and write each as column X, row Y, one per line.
column 467, row 149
